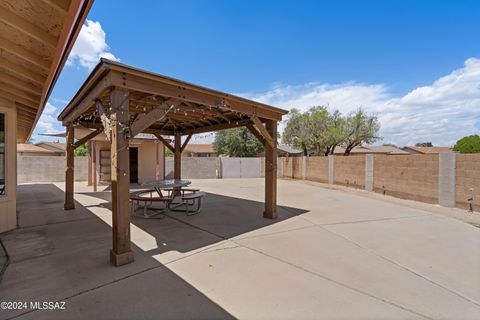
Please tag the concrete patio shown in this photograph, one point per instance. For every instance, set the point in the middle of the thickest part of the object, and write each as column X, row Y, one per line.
column 332, row 254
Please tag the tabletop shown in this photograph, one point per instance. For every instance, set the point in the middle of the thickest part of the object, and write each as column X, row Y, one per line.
column 168, row 183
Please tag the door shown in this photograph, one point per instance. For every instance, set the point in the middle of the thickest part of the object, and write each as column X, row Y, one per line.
column 133, row 165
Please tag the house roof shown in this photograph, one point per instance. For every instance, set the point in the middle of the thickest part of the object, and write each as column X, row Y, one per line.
column 288, row 149
column 35, row 40
column 56, row 145
column 199, row 148
column 429, row 150
column 372, row 150
column 31, row 148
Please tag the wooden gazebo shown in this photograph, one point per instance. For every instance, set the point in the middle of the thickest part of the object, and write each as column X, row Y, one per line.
column 123, row 101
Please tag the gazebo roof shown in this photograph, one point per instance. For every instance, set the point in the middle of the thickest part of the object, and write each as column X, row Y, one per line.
column 166, row 104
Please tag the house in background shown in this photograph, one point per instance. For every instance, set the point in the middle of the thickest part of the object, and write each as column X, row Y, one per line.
column 147, row 156
column 37, row 37
column 390, row 150
column 427, row 150
column 57, row 147
column 199, row 150
column 26, row 149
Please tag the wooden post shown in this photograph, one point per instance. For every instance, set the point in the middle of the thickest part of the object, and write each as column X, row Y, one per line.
column 271, row 172
column 121, row 252
column 177, row 168
column 89, row 183
column 69, row 169
column 94, row 165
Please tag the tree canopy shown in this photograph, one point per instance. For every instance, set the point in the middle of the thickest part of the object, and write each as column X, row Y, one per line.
column 237, row 142
column 81, row 150
column 320, row 131
column 468, row 144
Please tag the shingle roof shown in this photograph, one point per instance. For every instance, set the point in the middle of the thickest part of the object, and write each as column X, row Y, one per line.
column 429, row 150
column 372, row 149
column 31, row 148
column 200, row 148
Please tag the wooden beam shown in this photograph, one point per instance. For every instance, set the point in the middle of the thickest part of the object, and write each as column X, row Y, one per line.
column 271, row 173
column 88, row 97
column 27, row 27
column 23, row 72
column 217, row 127
column 21, row 84
column 185, row 142
column 121, row 252
column 268, row 138
column 88, row 137
column 255, row 132
column 177, row 154
column 106, row 120
column 165, row 142
column 25, row 54
column 33, row 98
column 148, row 84
column 13, row 97
column 145, row 120
column 69, row 169
column 60, row 5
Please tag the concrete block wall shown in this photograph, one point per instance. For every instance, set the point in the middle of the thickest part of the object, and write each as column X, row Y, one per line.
column 447, row 179
column 317, row 169
column 412, row 177
column 48, row 169
column 350, row 171
column 467, row 181
column 195, row 168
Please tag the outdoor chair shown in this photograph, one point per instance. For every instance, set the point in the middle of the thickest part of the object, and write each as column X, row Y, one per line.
column 188, row 201
column 148, row 197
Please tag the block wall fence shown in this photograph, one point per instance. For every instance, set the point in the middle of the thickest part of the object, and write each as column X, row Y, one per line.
column 449, row 179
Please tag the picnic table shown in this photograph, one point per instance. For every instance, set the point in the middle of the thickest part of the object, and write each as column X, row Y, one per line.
column 173, row 184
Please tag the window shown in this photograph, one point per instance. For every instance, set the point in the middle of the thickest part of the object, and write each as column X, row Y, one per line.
column 2, row 154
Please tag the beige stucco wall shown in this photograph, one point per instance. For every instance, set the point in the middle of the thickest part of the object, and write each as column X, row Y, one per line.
column 8, row 215
column 148, row 151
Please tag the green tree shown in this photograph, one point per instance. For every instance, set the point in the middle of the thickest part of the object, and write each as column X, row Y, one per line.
column 237, row 142
column 81, row 150
column 468, row 144
column 360, row 128
column 298, row 132
column 168, row 153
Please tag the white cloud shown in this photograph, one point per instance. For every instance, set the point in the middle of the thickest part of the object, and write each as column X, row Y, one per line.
column 47, row 123
column 90, row 46
column 441, row 113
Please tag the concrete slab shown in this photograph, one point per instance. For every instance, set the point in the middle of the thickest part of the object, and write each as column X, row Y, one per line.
column 250, row 285
column 332, row 257
column 441, row 249
column 332, row 254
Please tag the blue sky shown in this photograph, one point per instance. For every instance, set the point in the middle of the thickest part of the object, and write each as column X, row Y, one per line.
column 413, row 63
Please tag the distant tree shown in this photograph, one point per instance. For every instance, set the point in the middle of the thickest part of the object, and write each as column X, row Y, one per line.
column 237, row 142
column 168, row 153
column 423, row 144
column 468, row 144
column 360, row 128
column 297, row 132
column 389, row 145
column 81, row 150
column 336, row 133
